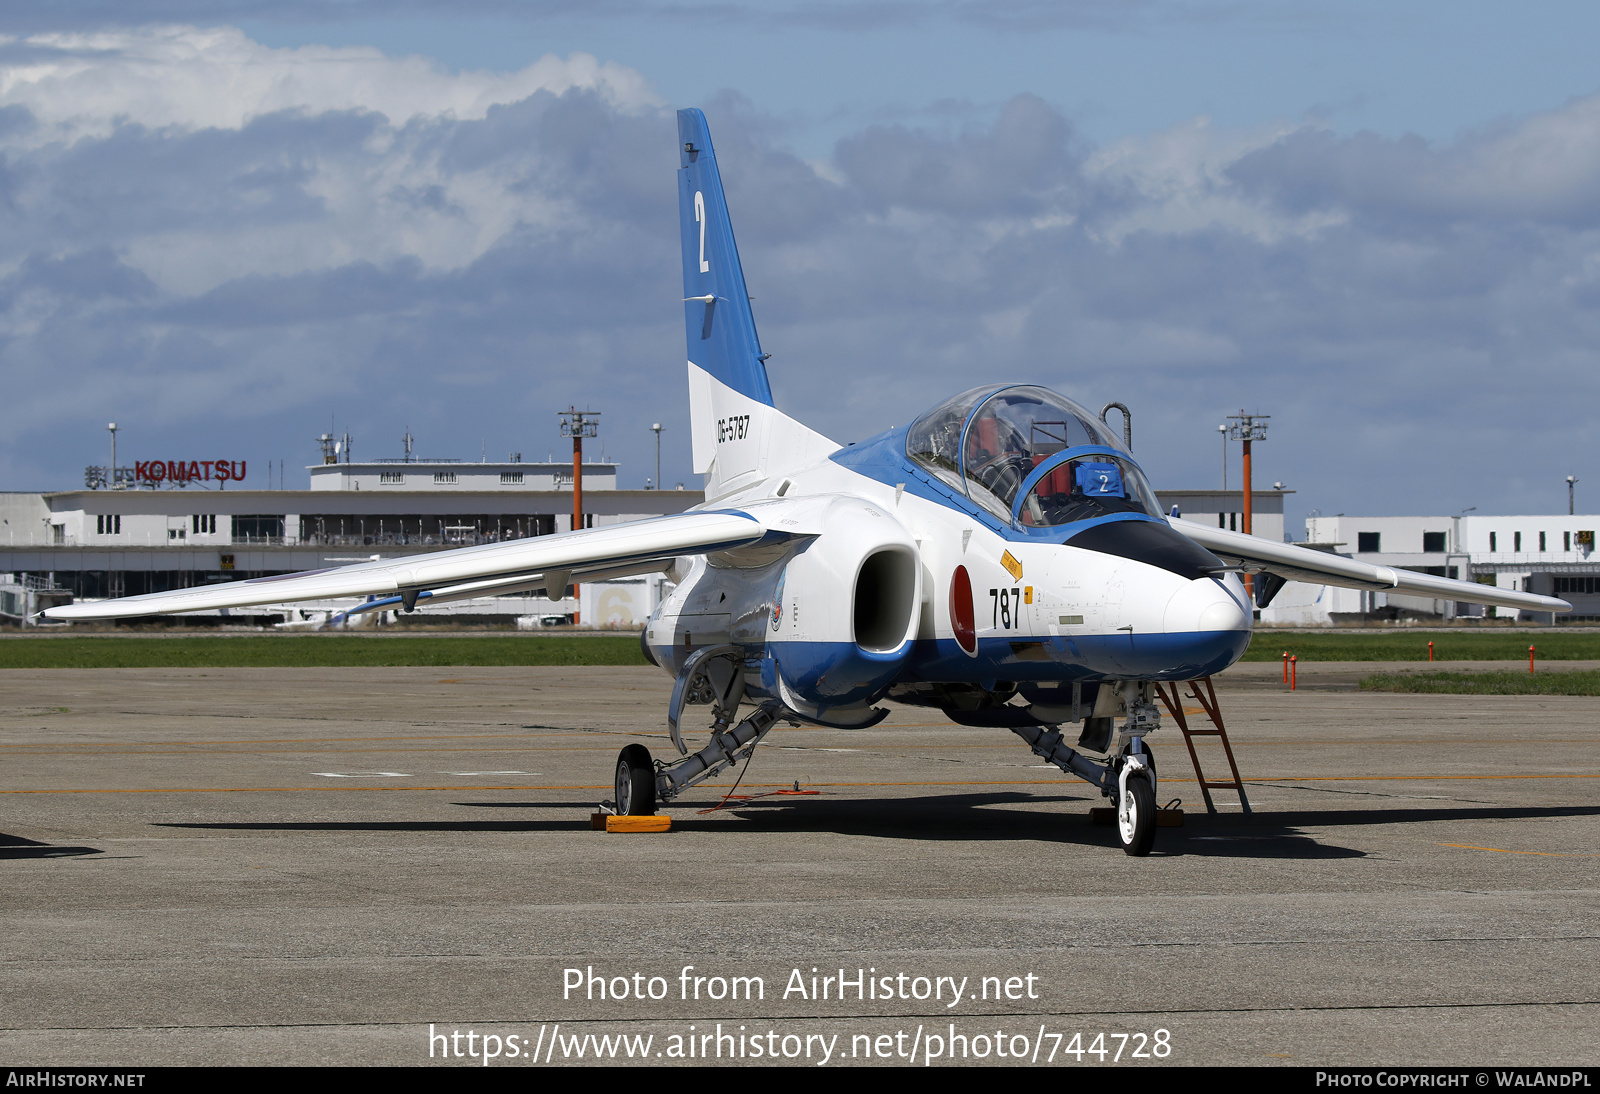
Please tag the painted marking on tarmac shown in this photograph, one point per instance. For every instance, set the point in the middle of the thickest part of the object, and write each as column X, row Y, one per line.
column 1365, row 743
column 1392, row 778
column 324, row 740
column 1509, row 851
column 362, row 774
column 491, row 772
column 944, row 782
column 458, row 789
column 296, row 789
column 322, row 751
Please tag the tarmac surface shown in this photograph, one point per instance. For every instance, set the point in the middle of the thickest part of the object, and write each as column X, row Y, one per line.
column 291, row 866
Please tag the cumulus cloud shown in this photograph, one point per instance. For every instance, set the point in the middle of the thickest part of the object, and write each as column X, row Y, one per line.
column 213, row 241
column 1403, row 309
column 88, row 83
column 1009, row 16
column 1539, row 169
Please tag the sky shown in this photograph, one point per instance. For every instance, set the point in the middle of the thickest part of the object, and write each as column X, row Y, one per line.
column 233, row 226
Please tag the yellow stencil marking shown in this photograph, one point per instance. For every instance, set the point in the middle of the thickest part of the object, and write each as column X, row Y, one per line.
column 1013, row 567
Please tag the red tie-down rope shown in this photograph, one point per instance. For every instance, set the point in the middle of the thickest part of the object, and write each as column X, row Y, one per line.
column 730, row 796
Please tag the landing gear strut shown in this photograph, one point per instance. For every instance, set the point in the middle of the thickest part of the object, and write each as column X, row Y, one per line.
column 1128, row 778
column 711, row 676
column 641, row 785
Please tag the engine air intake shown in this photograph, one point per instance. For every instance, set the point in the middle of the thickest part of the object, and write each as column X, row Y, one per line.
column 885, row 597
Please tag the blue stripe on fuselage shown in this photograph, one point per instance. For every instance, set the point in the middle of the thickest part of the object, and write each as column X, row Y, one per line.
column 1185, row 655
column 836, row 674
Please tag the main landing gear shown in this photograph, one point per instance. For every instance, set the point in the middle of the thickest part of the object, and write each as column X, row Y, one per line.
column 711, row 676
column 636, row 782
column 1128, row 777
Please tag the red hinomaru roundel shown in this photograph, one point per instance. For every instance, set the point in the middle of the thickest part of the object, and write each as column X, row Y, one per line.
column 961, row 619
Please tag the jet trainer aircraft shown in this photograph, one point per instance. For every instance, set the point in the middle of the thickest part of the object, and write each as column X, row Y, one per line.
column 1001, row 558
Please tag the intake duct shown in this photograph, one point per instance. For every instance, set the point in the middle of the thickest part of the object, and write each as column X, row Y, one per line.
column 885, row 598
column 849, row 613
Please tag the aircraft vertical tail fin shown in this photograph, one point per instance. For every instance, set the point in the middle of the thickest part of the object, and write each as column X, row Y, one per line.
column 716, row 308
column 739, row 437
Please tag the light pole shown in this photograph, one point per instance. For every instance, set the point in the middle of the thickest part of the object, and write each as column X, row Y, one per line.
column 1247, row 428
column 113, row 475
column 1571, row 479
column 1461, row 559
column 577, row 424
column 1223, row 431
column 656, row 429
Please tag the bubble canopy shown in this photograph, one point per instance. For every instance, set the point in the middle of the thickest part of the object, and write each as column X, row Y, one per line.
column 1032, row 457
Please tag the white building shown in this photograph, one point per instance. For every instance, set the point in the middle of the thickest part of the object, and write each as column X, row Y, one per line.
column 459, row 476
column 1225, row 509
column 102, row 542
column 1550, row 555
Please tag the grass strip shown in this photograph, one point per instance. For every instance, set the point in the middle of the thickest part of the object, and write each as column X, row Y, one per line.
column 1413, row 646
column 1580, row 682
column 316, row 651
column 345, row 650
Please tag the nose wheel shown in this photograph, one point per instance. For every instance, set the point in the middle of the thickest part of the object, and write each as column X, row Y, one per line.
column 1136, row 814
column 636, row 782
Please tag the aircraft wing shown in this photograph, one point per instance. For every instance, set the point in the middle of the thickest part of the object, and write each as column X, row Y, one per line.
column 524, row 564
column 1324, row 568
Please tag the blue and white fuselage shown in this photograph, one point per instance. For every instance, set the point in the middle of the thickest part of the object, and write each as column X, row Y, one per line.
column 893, row 576
column 1003, row 542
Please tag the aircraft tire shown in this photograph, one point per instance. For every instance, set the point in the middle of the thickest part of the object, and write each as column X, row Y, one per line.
column 1136, row 817
column 636, row 782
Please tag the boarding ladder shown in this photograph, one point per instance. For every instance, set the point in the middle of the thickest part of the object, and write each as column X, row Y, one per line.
column 1208, row 702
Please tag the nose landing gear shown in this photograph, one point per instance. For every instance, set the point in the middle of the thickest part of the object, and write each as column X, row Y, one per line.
column 1128, row 778
column 1136, row 803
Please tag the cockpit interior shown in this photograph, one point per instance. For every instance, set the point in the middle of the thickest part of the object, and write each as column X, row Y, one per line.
column 1031, row 457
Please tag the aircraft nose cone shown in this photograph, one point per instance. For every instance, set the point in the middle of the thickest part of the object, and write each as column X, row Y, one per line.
column 1209, row 605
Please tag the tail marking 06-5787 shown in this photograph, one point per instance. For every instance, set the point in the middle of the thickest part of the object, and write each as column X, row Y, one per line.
column 1001, row 559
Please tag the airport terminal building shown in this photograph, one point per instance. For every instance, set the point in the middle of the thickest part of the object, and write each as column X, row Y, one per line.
column 104, row 542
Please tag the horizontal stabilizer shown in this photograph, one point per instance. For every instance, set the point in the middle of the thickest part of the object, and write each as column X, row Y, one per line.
column 637, row 547
column 1324, row 568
